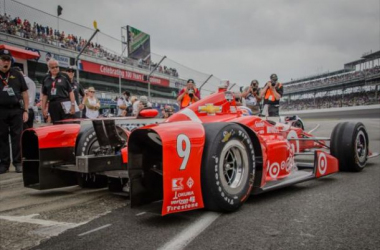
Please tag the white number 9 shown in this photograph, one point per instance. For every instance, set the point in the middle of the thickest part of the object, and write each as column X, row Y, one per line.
column 183, row 152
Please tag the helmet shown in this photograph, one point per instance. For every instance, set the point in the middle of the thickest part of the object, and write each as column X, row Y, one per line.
column 273, row 77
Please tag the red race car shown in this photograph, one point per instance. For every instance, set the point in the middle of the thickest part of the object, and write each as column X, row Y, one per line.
column 208, row 155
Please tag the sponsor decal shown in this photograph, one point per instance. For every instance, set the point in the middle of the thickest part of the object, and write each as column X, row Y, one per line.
column 210, row 109
column 227, row 135
column 233, row 109
column 182, row 201
column 177, row 184
column 259, row 124
column 12, row 77
column 271, row 130
column 190, row 182
column 322, row 163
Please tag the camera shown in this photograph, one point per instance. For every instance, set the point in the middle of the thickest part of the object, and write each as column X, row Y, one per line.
column 191, row 92
column 254, row 89
column 273, row 84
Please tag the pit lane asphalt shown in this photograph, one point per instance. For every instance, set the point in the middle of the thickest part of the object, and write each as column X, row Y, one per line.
column 341, row 211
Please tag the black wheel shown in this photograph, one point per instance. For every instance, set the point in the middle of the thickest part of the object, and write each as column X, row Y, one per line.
column 86, row 145
column 349, row 144
column 228, row 167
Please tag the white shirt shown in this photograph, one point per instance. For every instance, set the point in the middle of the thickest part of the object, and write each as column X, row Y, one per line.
column 121, row 102
column 92, row 114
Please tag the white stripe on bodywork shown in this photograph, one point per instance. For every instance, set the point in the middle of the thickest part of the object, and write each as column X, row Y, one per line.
column 190, row 114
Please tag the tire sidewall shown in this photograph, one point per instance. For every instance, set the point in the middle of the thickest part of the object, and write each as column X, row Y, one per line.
column 225, row 200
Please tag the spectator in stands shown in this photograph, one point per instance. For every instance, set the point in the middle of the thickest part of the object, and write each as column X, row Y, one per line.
column 123, row 102
column 77, row 89
column 92, row 104
column 251, row 94
column 188, row 95
column 272, row 93
column 57, row 90
column 32, row 96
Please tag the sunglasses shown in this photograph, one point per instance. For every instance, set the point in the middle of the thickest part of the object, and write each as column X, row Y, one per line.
column 6, row 58
column 54, row 67
column 70, row 71
column 91, row 91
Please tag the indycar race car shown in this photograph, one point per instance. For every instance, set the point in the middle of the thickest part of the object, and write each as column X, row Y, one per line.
column 208, row 155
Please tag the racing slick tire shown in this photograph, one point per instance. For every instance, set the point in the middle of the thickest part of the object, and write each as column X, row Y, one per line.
column 86, row 145
column 228, row 167
column 349, row 144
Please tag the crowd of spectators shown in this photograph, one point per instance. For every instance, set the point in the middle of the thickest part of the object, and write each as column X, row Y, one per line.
column 45, row 34
column 348, row 100
column 328, row 81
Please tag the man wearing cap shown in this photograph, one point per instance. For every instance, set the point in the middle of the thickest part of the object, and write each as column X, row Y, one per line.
column 77, row 89
column 123, row 103
column 57, row 90
column 188, row 95
column 272, row 93
column 141, row 104
column 14, row 105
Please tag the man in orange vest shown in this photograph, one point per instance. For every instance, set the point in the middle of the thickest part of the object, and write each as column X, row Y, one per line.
column 188, row 95
column 272, row 92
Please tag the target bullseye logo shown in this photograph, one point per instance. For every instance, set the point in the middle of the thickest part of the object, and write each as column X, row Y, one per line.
column 274, row 170
column 322, row 163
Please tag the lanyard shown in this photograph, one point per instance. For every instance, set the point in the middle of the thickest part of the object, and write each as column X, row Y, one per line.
column 5, row 81
column 53, row 85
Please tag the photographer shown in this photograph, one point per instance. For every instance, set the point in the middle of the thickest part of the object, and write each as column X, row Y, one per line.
column 188, row 95
column 252, row 97
column 272, row 92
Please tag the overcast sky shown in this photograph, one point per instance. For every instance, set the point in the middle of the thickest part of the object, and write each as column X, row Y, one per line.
column 240, row 40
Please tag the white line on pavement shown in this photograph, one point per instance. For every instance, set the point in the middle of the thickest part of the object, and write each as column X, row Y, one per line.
column 29, row 219
column 94, row 230
column 140, row 213
column 181, row 240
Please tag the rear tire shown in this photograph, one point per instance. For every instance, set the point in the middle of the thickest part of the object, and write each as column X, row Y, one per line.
column 228, row 167
column 349, row 144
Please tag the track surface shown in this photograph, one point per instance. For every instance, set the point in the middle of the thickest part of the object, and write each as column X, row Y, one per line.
column 341, row 211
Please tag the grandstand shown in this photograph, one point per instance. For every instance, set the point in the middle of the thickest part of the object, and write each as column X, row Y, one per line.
column 101, row 66
column 356, row 84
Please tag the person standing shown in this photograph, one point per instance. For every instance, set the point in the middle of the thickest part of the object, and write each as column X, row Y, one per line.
column 77, row 89
column 123, row 103
column 252, row 98
column 14, row 105
column 188, row 95
column 57, row 90
column 32, row 97
column 272, row 93
column 92, row 104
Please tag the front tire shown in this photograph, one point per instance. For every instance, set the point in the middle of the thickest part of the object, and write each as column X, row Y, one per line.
column 349, row 144
column 228, row 167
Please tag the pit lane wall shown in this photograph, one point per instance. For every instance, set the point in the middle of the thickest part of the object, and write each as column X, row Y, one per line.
column 370, row 111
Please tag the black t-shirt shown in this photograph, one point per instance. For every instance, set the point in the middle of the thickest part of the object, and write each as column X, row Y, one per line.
column 78, row 90
column 14, row 80
column 280, row 90
column 60, row 83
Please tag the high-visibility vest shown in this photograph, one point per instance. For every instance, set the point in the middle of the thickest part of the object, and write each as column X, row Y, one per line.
column 269, row 95
column 186, row 100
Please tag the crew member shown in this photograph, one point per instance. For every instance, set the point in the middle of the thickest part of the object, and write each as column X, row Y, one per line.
column 77, row 89
column 123, row 103
column 57, row 90
column 14, row 105
column 252, row 98
column 32, row 97
column 272, row 93
column 188, row 95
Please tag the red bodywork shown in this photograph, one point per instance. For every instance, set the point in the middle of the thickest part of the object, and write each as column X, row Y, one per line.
column 181, row 185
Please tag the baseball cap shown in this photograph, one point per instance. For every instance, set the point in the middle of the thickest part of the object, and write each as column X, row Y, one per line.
column 143, row 99
column 191, row 80
column 5, row 54
column 70, row 69
column 91, row 89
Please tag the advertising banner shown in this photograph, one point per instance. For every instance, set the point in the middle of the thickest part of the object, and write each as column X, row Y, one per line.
column 125, row 74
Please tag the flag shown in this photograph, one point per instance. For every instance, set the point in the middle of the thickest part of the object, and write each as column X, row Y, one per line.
column 59, row 10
